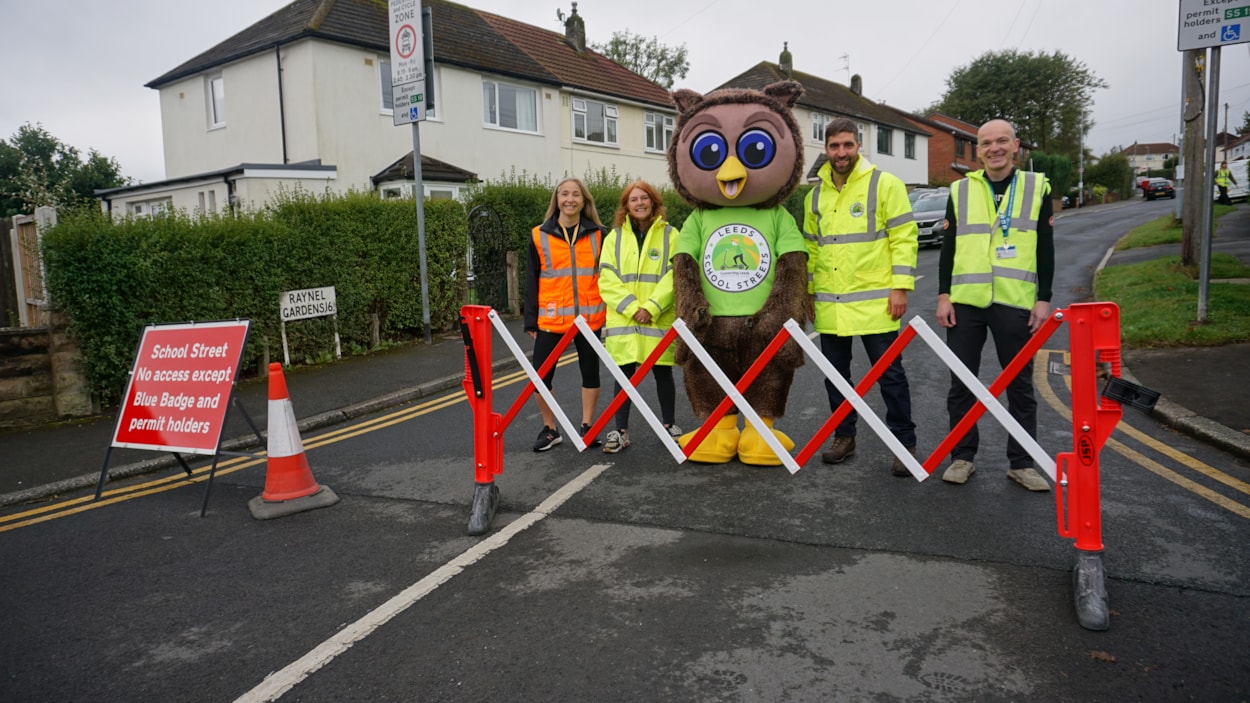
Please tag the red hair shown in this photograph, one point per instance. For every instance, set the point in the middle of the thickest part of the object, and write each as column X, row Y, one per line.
column 622, row 210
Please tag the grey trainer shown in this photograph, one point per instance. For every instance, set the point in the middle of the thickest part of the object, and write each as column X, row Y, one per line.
column 1029, row 478
column 617, row 440
column 959, row 471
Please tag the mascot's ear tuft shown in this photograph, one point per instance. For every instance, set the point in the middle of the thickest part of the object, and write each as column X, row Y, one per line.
column 687, row 100
column 785, row 92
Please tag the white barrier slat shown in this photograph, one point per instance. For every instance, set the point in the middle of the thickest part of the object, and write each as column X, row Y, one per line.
column 656, row 424
column 848, row 392
column 574, row 434
column 743, row 407
column 983, row 394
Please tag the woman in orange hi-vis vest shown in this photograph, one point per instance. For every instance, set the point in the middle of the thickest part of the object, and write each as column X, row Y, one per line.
column 562, row 282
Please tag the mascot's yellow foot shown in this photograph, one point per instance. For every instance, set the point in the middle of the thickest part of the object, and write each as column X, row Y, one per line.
column 719, row 446
column 752, row 449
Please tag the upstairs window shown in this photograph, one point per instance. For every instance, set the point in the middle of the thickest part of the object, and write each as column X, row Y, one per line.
column 216, row 101
column 509, row 106
column 819, row 121
column 594, row 121
column 909, row 146
column 659, row 131
column 885, row 140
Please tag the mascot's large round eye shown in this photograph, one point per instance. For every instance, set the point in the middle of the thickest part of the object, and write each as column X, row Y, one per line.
column 709, row 150
column 756, row 148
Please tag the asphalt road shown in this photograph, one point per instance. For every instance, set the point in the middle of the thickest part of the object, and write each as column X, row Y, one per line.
column 629, row 577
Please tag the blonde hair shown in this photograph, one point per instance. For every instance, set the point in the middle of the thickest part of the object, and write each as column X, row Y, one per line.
column 588, row 201
column 622, row 208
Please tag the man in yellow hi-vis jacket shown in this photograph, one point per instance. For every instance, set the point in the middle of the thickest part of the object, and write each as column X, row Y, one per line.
column 861, row 262
column 995, row 274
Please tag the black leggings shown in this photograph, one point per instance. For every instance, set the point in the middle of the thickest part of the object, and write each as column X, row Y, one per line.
column 587, row 360
column 663, row 387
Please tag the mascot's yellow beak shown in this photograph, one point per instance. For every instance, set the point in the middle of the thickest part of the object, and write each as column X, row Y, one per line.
column 732, row 177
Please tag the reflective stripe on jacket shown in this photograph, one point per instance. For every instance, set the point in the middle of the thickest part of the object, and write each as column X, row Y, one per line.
column 631, row 278
column 861, row 244
column 980, row 276
column 566, row 290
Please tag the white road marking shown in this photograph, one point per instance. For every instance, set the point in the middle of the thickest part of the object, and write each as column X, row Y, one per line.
column 290, row 676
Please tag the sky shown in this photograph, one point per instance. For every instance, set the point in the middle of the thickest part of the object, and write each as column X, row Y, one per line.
column 78, row 67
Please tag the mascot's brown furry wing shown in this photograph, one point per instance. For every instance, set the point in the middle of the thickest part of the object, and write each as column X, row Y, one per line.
column 740, row 267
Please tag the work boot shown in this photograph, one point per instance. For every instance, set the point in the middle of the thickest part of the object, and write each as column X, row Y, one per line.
column 959, row 471
column 837, row 452
column 898, row 468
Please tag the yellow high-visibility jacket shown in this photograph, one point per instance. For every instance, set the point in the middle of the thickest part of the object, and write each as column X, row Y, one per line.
column 861, row 244
column 630, row 278
column 981, row 276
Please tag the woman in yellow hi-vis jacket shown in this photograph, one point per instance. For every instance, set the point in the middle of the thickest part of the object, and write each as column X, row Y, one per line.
column 636, row 283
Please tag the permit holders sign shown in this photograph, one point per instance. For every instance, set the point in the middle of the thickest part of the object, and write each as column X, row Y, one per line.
column 1206, row 24
column 180, row 387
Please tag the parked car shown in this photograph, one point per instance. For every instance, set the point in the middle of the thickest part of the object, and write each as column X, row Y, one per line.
column 930, row 213
column 1159, row 188
column 920, row 192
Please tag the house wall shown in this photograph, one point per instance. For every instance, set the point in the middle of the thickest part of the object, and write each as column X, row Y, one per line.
column 629, row 158
column 212, row 193
column 251, row 131
column 912, row 171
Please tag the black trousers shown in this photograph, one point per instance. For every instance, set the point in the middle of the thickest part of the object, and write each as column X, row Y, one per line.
column 1010, row 328
column 892, row 384
column 664, row 388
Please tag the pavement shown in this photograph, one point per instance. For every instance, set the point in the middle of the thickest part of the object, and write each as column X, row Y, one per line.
column 1201, row 395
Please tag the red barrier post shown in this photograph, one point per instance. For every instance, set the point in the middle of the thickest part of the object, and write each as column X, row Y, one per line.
column 475, row 328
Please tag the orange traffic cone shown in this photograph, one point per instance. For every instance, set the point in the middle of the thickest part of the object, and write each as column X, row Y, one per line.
column 289, row 484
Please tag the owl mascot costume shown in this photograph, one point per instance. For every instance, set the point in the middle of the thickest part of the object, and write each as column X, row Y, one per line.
column 740, row 267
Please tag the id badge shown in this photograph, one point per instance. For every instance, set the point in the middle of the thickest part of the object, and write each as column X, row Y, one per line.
column 1007, row 251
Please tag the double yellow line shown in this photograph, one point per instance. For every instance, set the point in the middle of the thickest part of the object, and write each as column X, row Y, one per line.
column 73, row 506
column 1042, row 382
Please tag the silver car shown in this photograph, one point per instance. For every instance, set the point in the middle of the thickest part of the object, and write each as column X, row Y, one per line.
column 930, row 213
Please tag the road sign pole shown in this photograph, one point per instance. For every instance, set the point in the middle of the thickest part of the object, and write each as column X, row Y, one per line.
column 418, row 192
column 1208, row 183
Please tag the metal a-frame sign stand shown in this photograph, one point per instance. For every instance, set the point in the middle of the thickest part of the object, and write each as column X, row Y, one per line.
column 180, row 387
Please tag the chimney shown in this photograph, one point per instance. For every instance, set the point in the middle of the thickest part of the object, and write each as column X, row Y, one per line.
column 575, row 31
column 786, row 62
column 857, row 84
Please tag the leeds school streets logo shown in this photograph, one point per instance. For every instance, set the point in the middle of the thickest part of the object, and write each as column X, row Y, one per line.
column 736, row 258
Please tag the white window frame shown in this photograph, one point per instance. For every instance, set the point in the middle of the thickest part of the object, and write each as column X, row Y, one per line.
column 888, row 134
column 819, row 120
column 581, row 122
column 657, row 127
column 490, row 118
column 215, row 95
column 909, row 146
column 150, row 208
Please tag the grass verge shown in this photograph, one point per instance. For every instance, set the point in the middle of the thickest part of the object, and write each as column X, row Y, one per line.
column 1158, row 302
column 1165, row 230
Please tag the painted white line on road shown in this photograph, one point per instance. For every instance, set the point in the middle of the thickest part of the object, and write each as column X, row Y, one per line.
column 290, row 676
column 1105, row 258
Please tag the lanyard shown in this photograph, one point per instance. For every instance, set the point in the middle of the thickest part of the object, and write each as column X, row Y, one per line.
column 1004, row 219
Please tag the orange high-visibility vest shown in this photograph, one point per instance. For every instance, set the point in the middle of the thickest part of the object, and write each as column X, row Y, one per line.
column 568, row 280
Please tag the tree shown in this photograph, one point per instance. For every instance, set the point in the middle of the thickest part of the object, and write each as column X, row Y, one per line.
column 1058, row 170
column 646, row 56
column 1244, row 129
column 1113, row 173
column 37, row 169
column 1046, row 96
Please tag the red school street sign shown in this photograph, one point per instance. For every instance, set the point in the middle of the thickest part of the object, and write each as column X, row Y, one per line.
column 180, row 387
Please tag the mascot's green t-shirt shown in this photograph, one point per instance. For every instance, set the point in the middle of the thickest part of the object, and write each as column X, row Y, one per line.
column 737, row 250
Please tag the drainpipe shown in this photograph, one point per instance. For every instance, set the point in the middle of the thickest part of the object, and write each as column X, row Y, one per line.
column 277, row 55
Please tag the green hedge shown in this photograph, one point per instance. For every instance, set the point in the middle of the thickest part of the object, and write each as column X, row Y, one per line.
column 114, row 277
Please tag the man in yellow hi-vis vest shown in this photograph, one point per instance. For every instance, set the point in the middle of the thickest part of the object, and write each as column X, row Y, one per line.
column 861, row 262
column 994, row 275
column 1222, row 177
